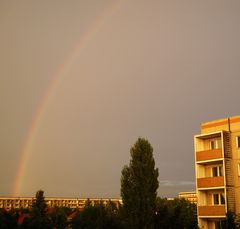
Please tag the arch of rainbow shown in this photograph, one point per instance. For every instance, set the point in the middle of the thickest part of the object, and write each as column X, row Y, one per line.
column 57, row 78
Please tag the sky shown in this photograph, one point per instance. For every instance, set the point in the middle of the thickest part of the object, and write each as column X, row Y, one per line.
column 81, row 81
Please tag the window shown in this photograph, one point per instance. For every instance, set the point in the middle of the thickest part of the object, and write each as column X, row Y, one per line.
column 238, row 141
column 218, row 199
column 215, row 144
column 215, row 199
column 217, row 171
column 222, row 198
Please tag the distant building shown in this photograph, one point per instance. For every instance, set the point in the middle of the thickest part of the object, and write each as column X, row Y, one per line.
column 217, row 163
column 190, row 196
column 26, row 202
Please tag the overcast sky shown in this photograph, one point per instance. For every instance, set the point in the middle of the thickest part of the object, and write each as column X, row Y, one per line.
column 120, row 70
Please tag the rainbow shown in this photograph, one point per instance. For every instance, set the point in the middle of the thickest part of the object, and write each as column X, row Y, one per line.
column 56, row 80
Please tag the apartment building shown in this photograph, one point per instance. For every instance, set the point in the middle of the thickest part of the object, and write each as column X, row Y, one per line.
column 190, row 196
column 26, row 202
column 217, row 163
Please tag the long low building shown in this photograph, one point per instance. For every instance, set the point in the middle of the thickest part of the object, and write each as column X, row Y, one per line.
column 190, row 196
column 26, row 202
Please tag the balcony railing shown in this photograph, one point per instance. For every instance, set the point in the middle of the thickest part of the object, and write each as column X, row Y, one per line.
column 210, row 182
column 209, row 155
column 216, row 210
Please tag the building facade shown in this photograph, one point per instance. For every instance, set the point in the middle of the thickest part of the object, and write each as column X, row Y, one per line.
column 217, row 164
column 26, row 202
column 190, row 196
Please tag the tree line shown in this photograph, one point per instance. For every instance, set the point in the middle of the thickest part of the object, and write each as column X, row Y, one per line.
column 172, row 214
column 141, row 208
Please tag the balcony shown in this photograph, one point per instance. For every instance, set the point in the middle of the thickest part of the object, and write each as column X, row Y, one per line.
column 206, row 155
column 210, row 182
column 211, row 211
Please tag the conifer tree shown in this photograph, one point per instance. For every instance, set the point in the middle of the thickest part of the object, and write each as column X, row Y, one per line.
column 39, row 204
column 39, row 218
column 139, row 184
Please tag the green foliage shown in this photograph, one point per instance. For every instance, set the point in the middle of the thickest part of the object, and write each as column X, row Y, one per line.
column 8, row 219
column 66, row 210
column 139, row 184
column 97, row 217
column 175, row 214
column 59, row 218
column 39, row 219
column 39, row 205
column 230, row 222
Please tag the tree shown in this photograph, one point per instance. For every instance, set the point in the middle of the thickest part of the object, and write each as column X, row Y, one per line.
column 229, row 223
column 39, row 205
column 8, row 219
column 175, row 214
column 139, row 184
column 38, row 214
column 58, row 218
column 97, row 216
column 163, row 215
